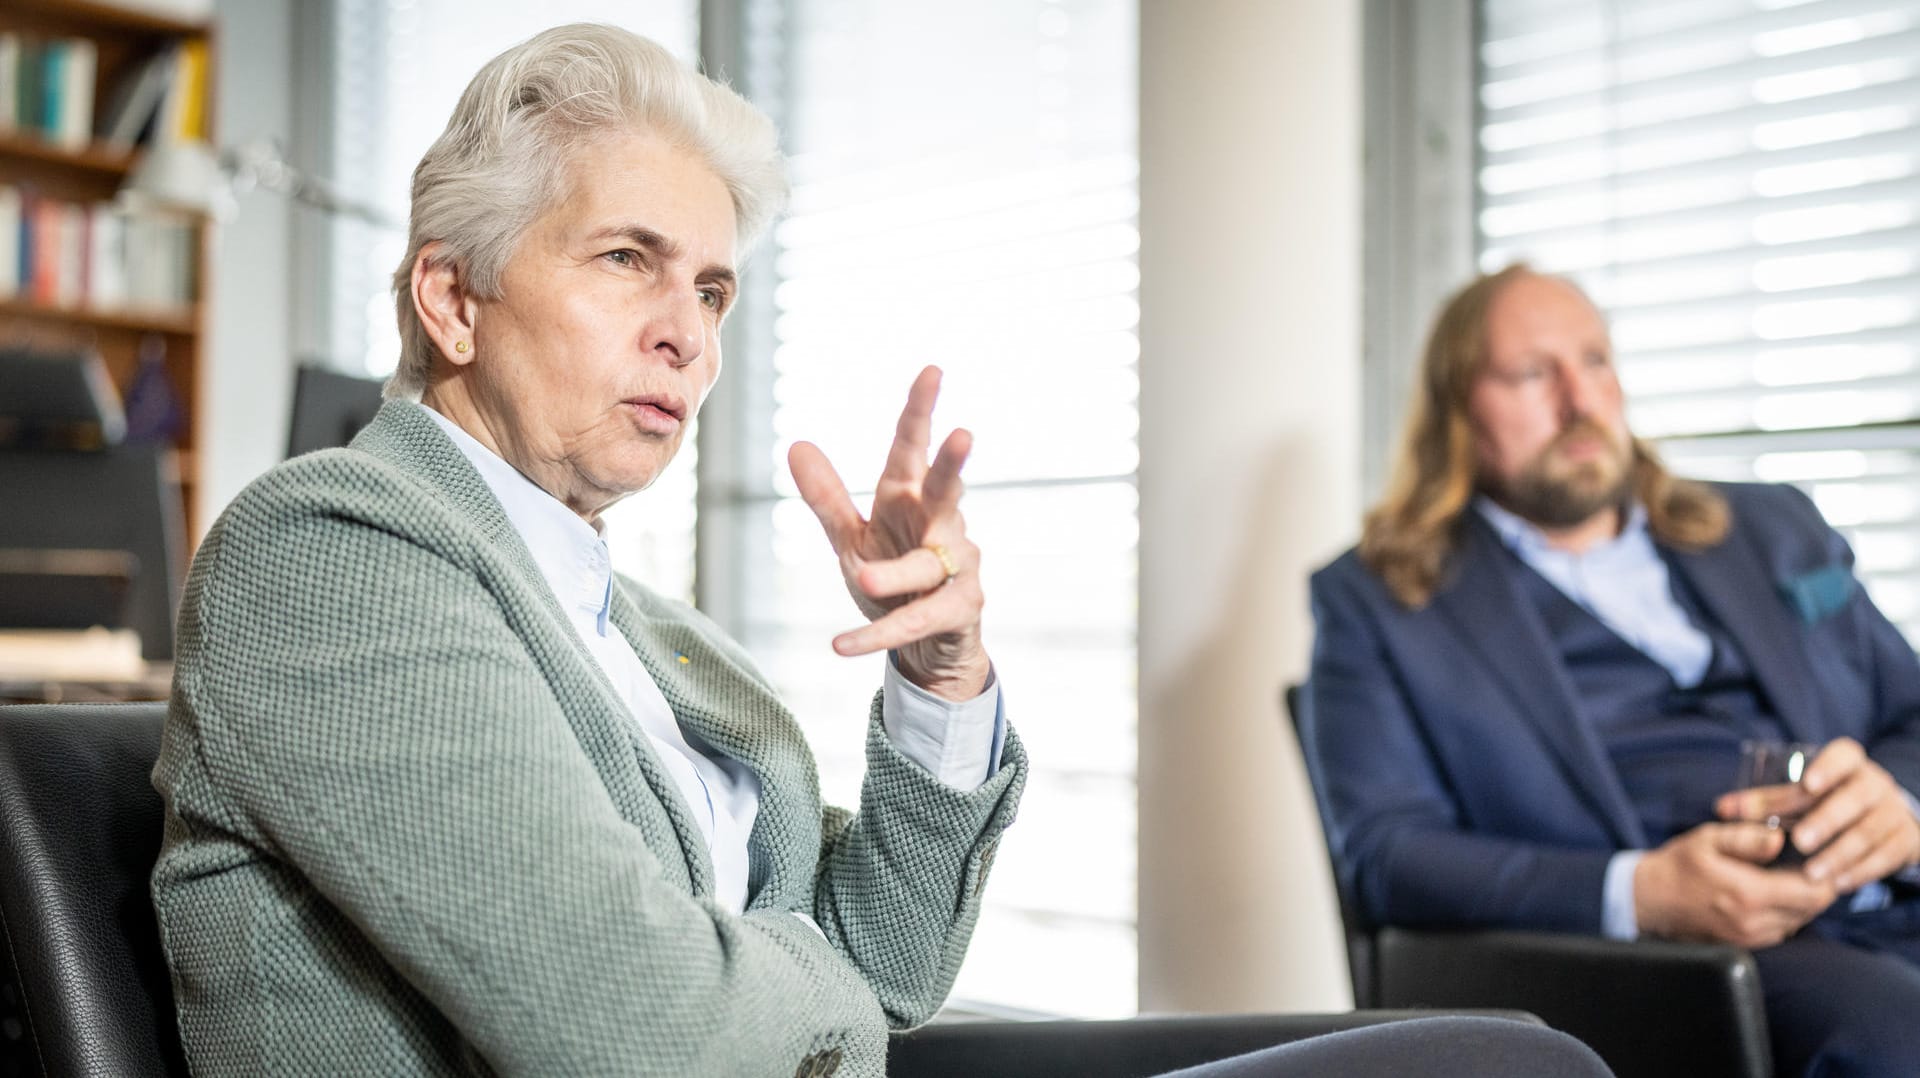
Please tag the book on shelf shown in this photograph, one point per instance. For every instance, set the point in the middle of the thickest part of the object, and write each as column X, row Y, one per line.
column 183, row 112
column 48, row 87
column 9, row 241
column 97, row 256
column 9, row 81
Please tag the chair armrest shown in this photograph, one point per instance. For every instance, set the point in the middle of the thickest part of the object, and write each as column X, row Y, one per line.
column 1129, row 1048
column 1648, row 1007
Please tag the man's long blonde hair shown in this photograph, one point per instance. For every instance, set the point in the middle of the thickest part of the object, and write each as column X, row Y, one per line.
column 1410, row 535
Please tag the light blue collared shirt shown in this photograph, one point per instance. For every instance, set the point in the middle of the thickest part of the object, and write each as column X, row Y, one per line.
column 957, row 743
column 1625, row 583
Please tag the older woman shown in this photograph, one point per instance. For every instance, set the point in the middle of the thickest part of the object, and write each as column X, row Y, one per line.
column 443, row 795
column 446, row 797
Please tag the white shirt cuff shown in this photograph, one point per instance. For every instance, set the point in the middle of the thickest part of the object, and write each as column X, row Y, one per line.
column 1617, row 918
column 958, row 743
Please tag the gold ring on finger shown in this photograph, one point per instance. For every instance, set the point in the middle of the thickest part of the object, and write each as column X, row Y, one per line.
column 946, row 561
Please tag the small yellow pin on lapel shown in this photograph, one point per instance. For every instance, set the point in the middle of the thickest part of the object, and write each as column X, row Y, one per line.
column 681, row 657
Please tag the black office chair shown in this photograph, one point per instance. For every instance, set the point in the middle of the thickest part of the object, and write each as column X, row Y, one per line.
column 1649, row 1007
column 84, row 990
column 83, row 987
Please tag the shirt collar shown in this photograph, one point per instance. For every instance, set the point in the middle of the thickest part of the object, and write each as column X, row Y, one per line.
column 570, row 553
column 1525, row 537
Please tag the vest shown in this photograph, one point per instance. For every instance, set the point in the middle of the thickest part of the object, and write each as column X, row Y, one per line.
column 1675, row 749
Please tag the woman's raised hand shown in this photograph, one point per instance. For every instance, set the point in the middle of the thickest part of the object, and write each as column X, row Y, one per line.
column 909, row 566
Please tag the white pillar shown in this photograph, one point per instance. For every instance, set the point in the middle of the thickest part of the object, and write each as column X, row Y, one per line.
column 247, row 378
column 1250, row 477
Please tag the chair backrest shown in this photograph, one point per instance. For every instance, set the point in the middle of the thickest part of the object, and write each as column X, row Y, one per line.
column 84, row 989
column 1360, row 942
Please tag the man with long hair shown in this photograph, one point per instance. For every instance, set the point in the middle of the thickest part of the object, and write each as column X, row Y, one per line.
column 1532, row 679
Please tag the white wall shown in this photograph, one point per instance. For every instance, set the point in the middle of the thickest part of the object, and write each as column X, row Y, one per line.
column 247, row 381
column 1250, row 477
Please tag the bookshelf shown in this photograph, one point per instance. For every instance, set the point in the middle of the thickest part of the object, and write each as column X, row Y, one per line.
column 59, row 147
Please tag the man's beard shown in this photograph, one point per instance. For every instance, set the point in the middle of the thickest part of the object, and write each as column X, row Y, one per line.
column 1571, row 493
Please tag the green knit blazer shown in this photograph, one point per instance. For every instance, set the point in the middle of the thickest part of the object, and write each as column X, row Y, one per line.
column 411, row 828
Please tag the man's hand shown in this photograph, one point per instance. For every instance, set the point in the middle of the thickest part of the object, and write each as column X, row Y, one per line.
column 1857, row 826
column 1708, row 884
column 892, row 567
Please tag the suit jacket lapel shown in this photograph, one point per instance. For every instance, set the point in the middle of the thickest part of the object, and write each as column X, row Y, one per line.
column 725, row 705
column 1737, row 588
column 1504, row 629
column 402, row 434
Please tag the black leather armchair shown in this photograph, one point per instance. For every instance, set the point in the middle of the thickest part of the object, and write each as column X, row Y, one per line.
column 1648, row 1007
column 84, row 991
column 83, row 987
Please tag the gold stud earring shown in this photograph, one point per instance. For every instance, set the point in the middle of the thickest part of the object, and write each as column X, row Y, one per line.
column 460, row 346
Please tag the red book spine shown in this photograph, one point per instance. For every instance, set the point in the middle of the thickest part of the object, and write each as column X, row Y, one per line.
column 44, row 286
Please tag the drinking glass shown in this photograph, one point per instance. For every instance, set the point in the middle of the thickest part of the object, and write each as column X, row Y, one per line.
column 1777, row 763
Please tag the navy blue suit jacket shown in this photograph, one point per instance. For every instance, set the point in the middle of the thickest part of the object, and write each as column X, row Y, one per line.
column 1460, row 786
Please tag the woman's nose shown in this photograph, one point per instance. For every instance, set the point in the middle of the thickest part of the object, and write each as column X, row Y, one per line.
column 678, row 329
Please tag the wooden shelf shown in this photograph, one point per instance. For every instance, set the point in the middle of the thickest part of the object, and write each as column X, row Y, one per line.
column 178, row 323
column 94, row 157
column 126, row 40
column 96, row 15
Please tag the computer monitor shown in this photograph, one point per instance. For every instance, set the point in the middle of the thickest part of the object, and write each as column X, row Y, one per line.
column 329, row 409
column 57, row 400
column 106, row 524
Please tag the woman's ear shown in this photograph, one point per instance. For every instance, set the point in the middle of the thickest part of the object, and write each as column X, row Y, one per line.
column 445, row 308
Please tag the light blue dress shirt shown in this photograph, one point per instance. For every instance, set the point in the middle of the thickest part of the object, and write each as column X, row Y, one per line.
column 1624, row 582
column 958, row 743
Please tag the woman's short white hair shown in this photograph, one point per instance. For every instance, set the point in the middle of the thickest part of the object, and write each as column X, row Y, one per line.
column 502, row 160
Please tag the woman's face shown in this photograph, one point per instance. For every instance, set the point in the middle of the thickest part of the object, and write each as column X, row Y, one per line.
column 606, row 336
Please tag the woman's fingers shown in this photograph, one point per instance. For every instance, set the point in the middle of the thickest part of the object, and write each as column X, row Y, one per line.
column 940, row 492
column 953, row 608
column 918, row 570
column 907, row 459
column 824, row 493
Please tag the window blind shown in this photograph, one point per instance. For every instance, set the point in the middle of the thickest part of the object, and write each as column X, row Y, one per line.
column 964, row 194
column 1737, row 184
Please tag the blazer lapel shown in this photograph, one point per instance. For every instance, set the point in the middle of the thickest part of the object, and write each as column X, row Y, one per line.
column 1737, row 588
column 724, row 704
column 1502, row 627
column 404, row 435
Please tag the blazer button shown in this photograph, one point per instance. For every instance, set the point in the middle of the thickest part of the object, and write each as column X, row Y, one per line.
column 819, row 1065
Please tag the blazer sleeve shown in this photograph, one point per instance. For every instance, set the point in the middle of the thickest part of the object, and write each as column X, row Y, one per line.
column 908, row 869
column 1405, row 846
column 364, row 709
